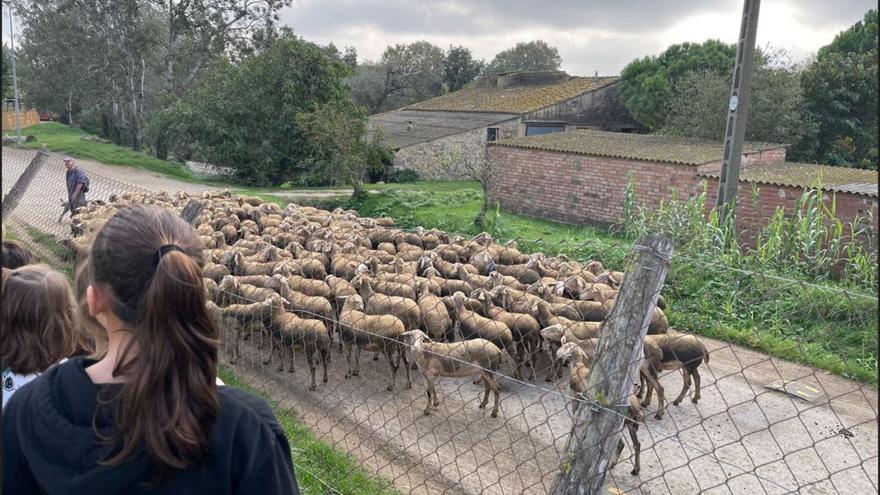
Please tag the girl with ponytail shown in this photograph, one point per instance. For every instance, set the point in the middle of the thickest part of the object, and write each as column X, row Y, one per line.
column 148, row 416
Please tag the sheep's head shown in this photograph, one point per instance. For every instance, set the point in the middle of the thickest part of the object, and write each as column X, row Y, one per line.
column 458, row 300
column 415, row 338
column 553, row 333
column 431, row 272
column 353, row 303
column 495, row 280
column 483, row 239
column 229, row 284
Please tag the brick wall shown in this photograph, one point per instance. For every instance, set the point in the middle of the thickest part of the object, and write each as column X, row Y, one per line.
column 25, row 118
column 581, row 189
column 425, row 158
column 756, row 203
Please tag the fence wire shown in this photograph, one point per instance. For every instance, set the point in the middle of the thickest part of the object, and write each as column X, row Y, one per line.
column 312, row 307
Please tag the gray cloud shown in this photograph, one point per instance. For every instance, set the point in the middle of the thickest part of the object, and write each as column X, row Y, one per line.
column 590, row 35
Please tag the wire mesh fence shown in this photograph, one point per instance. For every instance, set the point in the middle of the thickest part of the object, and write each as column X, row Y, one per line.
column 323, row 312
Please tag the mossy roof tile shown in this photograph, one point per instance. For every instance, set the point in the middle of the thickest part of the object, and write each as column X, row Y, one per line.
column 522, row 98
column 646, row 147
column 837, row 179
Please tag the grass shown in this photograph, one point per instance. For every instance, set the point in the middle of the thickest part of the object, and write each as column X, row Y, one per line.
column 316, row 462
column 823, row 328
column 66, row 139
column 50, row 243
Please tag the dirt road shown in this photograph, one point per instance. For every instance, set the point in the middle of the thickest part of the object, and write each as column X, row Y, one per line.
column 741, row 438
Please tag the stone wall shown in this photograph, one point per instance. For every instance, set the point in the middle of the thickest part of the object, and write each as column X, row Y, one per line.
column 442, row 158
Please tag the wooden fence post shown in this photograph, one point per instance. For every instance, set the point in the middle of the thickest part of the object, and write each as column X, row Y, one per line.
column 596, row 429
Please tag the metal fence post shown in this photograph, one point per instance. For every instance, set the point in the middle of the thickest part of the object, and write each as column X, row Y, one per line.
column 596, row 428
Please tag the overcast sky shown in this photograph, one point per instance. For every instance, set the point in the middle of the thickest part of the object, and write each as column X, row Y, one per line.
column 591, row 35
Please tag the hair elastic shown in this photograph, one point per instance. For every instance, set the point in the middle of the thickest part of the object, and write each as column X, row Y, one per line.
column 163, row 250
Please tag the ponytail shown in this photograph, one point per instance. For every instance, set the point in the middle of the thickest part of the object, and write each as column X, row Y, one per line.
column 150, row 260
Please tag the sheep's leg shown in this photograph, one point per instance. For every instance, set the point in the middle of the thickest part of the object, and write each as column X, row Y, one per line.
column 292, row 354
column 686, row 385
column 402, row 357
column 347, row 358
column 429, row 389
column 235, row 344
column 325, row 359
column 650, row 378
column 376, row 356
column 696, row 373
column 497, row 390
column 391, row 365
column 357, row 360
column 633, row 428
column 281, row 355
column 533, row 360
column 641, row 391
column 654, row 382
column 268, row 358
column 575, row 405
column 310, row 357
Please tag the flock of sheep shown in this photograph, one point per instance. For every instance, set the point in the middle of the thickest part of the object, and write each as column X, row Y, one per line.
column 304, row 277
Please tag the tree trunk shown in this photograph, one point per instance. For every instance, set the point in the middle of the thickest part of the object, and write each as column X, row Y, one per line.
column 480, row 219
column 358, row 192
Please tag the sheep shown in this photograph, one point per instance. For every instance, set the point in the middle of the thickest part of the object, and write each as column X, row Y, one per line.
column 523, row 273
column 390, row 288
column 483, row 262
column 245, row 315
column 580, row 372
column 289, row 333
column 215, row 271
column 524, row 328
column 305, row 306
column 377, row 304
column 448, row 286
column 435, row 316
column 471, row 324
column 671, row 352
column 233, row 291
column 238, row 265
column 308, row 268
column 309, row 287
column 456, row 359
column 412, row 280
column 377, row 333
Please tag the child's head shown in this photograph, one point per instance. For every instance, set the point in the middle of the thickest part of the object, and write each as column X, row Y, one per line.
column 16, row 255
column 39, row 319
column 145, row 283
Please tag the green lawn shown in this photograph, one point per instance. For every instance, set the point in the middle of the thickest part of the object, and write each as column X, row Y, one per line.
column 64, row 139
column 316, row 463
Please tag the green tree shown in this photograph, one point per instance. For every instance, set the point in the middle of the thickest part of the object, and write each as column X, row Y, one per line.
column 405, row 74
column 646, row 84
column 698, row 106
column 461, row 67
column 841, row 93
column 244, row 116
column 530, row 56
column 333, row 133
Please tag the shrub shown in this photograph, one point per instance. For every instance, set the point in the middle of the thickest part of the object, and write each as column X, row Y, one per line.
column 404, row 175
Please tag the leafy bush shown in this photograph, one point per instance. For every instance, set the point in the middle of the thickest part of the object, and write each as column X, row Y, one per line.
column 812, row 244
column 403, row 176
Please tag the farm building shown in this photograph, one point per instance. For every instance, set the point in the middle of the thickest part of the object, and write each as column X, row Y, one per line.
column 498, row 107
column 580, row 177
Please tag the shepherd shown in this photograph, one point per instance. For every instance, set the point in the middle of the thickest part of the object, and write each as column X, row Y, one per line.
column 77, row 187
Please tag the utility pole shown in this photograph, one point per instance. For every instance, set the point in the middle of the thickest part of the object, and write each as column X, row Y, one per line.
column 595, row 432
column 738, row 111
column 14, row 76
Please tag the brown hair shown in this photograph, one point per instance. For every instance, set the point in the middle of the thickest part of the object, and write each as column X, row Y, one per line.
column 15, row 255
column 38, row 319
column 149, row 261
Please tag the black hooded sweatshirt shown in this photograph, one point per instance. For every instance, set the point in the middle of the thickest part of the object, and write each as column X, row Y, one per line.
column 49, row 446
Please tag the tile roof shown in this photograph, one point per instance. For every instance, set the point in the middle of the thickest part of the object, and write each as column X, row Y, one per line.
column 406, row 127
column 647, row 147
column 838, row 179
column 520, row 98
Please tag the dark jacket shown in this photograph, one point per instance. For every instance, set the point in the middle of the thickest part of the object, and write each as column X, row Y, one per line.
column 49, row 445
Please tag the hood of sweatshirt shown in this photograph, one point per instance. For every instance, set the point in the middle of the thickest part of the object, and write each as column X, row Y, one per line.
column 56, row 433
